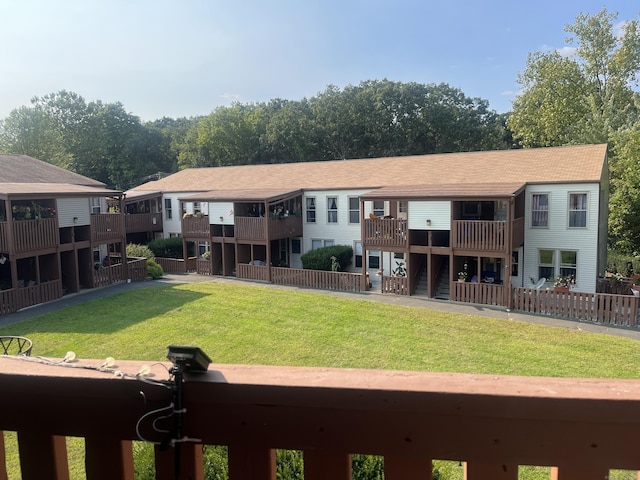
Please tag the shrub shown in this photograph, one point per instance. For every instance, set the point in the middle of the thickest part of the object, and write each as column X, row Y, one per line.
column 140, row 251
column 168, row 247
column 153, row 269
column 320, row 258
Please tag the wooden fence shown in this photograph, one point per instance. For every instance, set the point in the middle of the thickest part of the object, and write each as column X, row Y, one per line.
column 483, row 293
column 397, row 285
column 137, row 269
column 177, row 265
column 608, row 309
column 342, row 281
column 252, row 272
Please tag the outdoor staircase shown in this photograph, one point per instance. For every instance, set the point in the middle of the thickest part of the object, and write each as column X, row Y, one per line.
column 422, row 288
column 443, row 291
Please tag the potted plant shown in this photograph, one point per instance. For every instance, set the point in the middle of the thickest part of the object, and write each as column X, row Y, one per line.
column 462, row 276
column 563, row 283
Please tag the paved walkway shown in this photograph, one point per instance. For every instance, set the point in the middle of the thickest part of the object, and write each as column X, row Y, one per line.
column 409, row 301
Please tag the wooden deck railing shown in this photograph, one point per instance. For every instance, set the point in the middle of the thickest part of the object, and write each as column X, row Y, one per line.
column 196, row 227
column 137, row 269
column 30, row 235
column 341, row 281
column 389, row 232
column 107, row 226
column 143, row 222
column 104, row 276
column 177, row 265
column 582, row 427
column 250, row 228
column 607, row 309
column 478, row 235
column 13, row 299
column 482, row 293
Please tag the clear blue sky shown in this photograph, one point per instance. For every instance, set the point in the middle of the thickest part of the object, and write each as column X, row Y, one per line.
column 179, row 58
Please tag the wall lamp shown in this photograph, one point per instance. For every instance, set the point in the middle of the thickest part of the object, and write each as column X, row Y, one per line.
column 428, row 221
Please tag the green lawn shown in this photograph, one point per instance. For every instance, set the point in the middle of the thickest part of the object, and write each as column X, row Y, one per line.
column 250, row 324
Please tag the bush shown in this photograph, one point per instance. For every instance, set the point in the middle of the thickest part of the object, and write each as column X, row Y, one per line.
column 168, row 247
column 320, row 258
column 153, row 269
column 140, row 251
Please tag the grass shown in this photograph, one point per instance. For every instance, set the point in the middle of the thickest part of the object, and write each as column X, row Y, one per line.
column 262, row 325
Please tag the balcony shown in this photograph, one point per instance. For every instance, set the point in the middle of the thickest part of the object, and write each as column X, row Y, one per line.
column 143, row 222
column 385, row 232
column 196, row 227
column 29, row 235
column 107, row 227
column 583, row 427
column 253, row 228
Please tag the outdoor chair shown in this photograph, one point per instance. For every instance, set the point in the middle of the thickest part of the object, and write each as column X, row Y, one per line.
column 10, row 345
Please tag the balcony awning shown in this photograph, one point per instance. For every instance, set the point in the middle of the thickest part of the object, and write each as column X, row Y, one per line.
column 458, row 191
column 246, row 195
column 34, row 190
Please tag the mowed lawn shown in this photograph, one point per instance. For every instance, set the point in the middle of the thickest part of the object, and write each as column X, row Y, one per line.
column 249, row 324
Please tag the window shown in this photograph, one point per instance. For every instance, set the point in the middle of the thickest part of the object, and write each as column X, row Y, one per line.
column 514, row 263
column 374, row 260
column 540, row 210
column 403, row 206
column 568, row 263
column 332, row 209
column 167, row 209
column 577, row 210
column 95, row 205
column 197, row 208
column 546, row 264
column 378, row 208
column 318, row 243
column 354, row 210
column 358, row 254
column 311, row 210
column 295, row 245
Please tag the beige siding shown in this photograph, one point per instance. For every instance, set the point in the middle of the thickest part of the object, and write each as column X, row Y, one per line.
column 438, row 212
column 70, row 208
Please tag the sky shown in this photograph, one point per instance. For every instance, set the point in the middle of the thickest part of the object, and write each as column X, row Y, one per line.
column 183, row 58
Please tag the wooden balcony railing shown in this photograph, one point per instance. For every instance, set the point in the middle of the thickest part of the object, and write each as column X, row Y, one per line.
column 107, row 227
column 195, row 226
column 381, row 232
column 581, row 427
column 143, row 222
column 250, row 228
column 478, row 235
column 30, row 235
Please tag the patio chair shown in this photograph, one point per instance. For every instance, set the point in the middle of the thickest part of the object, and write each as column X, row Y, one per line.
column 10, row 345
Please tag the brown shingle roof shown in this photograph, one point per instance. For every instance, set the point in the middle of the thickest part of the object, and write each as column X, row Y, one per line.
column 25, row 169
column 570, row 164
column 58, row 189
column 242, row 195
column 446, row 191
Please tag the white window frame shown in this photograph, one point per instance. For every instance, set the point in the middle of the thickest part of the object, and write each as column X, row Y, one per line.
column 332, row 209
column 551, row 265
column 96, row 205
column 310, row 206
column 376, row 209
column 321, row 243
column 535, row 210
column 168, row 209
column 571, row 210
column 354, row 213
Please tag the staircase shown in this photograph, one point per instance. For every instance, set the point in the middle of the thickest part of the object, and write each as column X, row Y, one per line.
column 422, row 288
column 443, row 293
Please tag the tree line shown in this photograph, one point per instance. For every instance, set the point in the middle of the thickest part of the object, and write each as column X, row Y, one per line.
column 586, row 97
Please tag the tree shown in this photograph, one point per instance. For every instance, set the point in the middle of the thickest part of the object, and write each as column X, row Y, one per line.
column 588, row 98
column 585, row 97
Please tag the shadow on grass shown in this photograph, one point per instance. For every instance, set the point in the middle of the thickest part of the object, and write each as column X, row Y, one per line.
column 105, row 315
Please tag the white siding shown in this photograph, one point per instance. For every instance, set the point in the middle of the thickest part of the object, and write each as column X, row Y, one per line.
column 559, row 237
column 342, row 232
column 219, row 213
column 438, row 212
column 70, row 208
column 174, row 225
